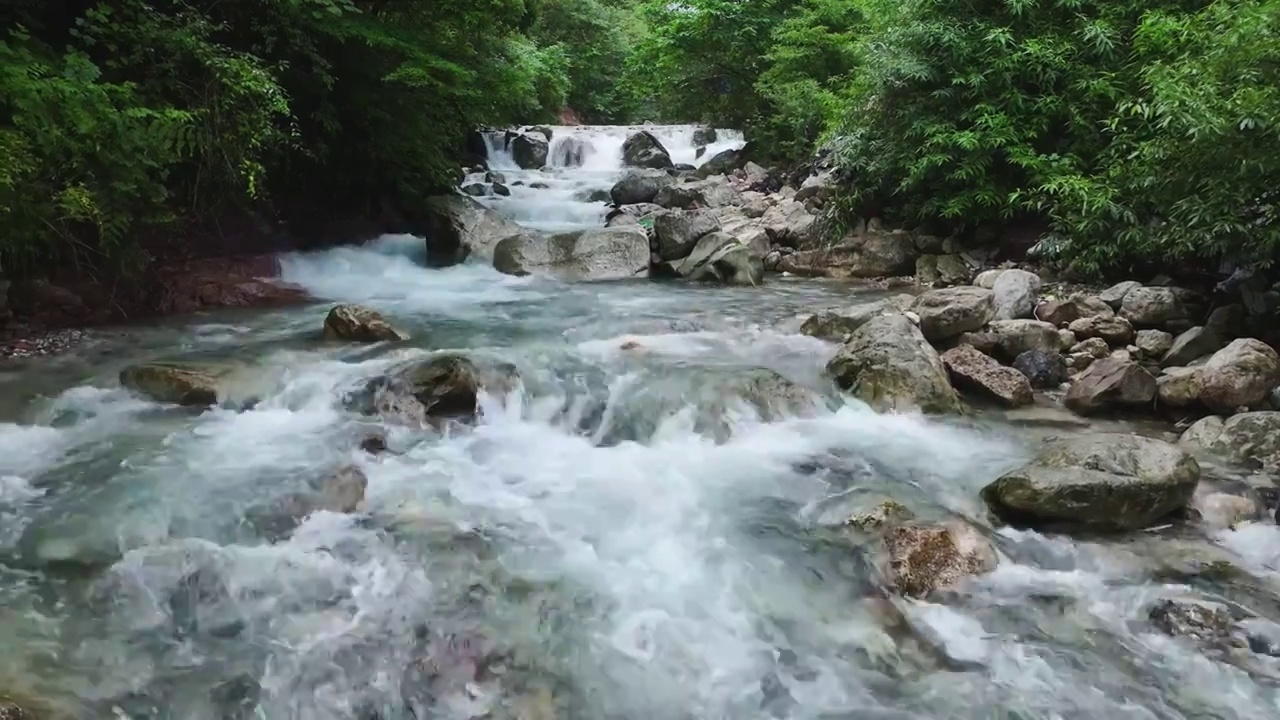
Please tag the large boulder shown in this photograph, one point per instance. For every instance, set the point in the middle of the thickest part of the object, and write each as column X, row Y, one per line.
column 1179, row 387
column 1007, row 339
column 869, row 255
column 1108, row 383
column 942, row 270
column 1114, row 295
column 749, row 231
column 948, row 312
column 1015, row 294
column 837, row 323
column 722, row 163
column 643, row 149
column 973, row 371
column 600, row 254
column 359, row 324
column 172, row 383
column 458, row 227
column 1249, row 439
column 639, row 186
column 1153, row 307
column 1078, row 305
column 1111, row 482
column 529, row 150
column 703, row 136
column 789, row 223
column 719, row 257
column 678, row 231
column 888, row 364
column 713, row 192
column 1241, row 374
column 1190, row 346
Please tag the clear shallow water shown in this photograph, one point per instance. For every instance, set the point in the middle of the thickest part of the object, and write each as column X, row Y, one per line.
column 633, row 540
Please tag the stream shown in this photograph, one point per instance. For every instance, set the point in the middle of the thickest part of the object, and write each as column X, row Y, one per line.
column 630, row 535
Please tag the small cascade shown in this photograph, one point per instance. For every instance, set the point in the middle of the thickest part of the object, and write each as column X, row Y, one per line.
column 583, row 163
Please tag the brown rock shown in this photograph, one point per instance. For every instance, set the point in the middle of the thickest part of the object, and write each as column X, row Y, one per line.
column 971, row 370
column 359, row 324
column 1179, row 387
column 1240, row 375
column 1110, row 382
column 924, row 558
column 1065, row 312
column 1113, row 330
column 172, row 383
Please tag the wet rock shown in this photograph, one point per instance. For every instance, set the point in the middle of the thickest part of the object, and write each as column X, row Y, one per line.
column 1153, row 343
column 1248, row 439
column 888, row 364
column 343, row 492
column 1114, row 295
column 503, row 191
column 449, row 386
column 1100, row 481
column 476, row 189
column 529, row 150
column 710, row 193
column 971, row 370
column 172, row 383
column 542, row 130
column 885, row 514
column 1015, row 294
column 458, row 227
column 948, row 312
column 1200, row 621
column 1113, row 330
column 374, row 444
column 719, row 257
column 987, row 278
column 836, row 324
column 593, row 196
column 642, row 149
column 1240, row 375
column 1179, row 387
column 1220, row 507
column 15, row 705
column 1191, row 346
column 598, row 254
column 942, row 270
column 1108, row 383
column 359, row 324
column 1043, row 369
column 922, row 559
column 703, row 136
column 448, row 670
column 639, row 186
column 1064, row 312
column 1153, row 307
column 678, row 231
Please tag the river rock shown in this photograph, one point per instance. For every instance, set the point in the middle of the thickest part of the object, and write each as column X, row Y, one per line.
column 678, row 231
column 1014, row 337
column 1153, row 307
column 873, row 254
column 449, row 386
column 1179, row 387
column 1113, row 330
column 1043, row 369
column 1094, row 347
column 458, row 227
column 836, row 323
column 639, row 186
column 713, row 192
column 609, row 253
column 987, row 278
column 1114, row 295
column 1079, row 305
column 1204, row 622
column 630, row 215
column 719, row 257
column 1015, row 294
column 529, row 150
column 789, row 224
column 1249, row 439
column 15, row 705
column 1153, row 343
column 948, row 312
column 921, row 558
column 1108, row 383
column 1202, row 434
column 942, row 270
column 642, row 149
column 1101, row 481
column 172, row 383
column 888, row 364
column 1240, row 375
column 703, row 136
column 359, row 324
column 972, row 370
column 748, row 231
column 1190, row 346
column 1228, row 321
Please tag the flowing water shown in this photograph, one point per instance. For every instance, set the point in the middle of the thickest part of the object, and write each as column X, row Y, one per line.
column 631, row 534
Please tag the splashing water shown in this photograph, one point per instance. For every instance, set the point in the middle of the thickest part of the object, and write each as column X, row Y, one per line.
column 632, row 533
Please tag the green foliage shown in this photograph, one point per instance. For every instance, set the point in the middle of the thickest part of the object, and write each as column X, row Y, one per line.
column 593, row 42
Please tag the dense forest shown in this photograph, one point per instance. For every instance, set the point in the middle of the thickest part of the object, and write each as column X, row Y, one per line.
column 1135, row 131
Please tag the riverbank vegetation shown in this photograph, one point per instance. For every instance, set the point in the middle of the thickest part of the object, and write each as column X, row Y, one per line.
column 1135, row 132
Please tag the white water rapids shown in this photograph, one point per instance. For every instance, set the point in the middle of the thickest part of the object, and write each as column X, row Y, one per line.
column 624, row 537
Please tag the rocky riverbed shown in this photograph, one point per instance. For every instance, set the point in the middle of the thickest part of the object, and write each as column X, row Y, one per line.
column 453, row 489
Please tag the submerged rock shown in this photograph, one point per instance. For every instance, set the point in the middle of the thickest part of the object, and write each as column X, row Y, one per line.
column 888, row 364
column 359, row 324
column 1100, row 482
column 172, row 383
column 924, row 558
column 971, row 370
column 610, row 253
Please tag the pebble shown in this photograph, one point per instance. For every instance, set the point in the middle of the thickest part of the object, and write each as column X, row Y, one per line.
column 50, row 343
